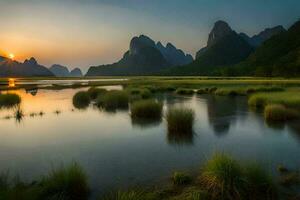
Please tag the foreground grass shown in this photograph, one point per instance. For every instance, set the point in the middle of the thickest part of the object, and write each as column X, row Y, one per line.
column 146, row 109
column 9, row 100
column 64, row 183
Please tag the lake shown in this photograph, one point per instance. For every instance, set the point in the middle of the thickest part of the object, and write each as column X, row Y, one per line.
column 118, row 152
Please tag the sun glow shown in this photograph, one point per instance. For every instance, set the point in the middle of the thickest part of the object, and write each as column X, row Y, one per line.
column 11, row 56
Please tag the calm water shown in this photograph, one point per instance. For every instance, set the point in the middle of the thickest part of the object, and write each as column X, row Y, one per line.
column 116, row 151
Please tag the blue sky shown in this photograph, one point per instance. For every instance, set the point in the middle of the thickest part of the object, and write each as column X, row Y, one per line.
column 80, row 33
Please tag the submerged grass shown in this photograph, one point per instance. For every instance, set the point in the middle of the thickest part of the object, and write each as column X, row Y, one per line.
column 81, row 100
column 149, row 109
column 9, row 100
column 180, row 120
column 112, row 100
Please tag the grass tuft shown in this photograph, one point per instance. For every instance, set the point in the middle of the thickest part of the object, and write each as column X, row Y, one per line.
column 112, row 100
column 81, row 100
column 9, row 100
column 95, row 92
column 180, row 120
column 277, row 112
column 222, row 178
column 149, row 109
column 68, row 183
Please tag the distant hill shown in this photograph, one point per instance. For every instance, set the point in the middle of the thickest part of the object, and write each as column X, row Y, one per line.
column 143, row 57
column 266, row 34
column 62, row 71
column 59, row 70
column 11, row 68
column 173, row 55
column 76, row 72
column 224, row 47
column 278, row 56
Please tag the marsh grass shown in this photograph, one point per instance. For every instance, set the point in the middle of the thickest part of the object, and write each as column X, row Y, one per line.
column 289, row 99
column 184, row 91
column 277, row 112
column 112, row 100
column 81, row 100
column 41, row 113
column 181, row 178
column 222, row 178
column 9, row 100
column 67, row 183
column 18, row 114
column 94, row 92
column 147, row 109
column 259, row 183
column 180, row 120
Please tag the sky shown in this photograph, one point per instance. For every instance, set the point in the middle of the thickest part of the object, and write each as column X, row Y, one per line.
column 82, row 33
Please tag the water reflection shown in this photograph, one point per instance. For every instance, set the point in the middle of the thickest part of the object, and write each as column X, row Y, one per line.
column 220, row 111
column 32, row 91
column 145, row 123
column 180, row 139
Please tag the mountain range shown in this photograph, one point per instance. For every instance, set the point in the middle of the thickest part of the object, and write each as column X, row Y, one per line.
column 11, row 68
column 272, row 52
column 144, row 57
column 62, row 71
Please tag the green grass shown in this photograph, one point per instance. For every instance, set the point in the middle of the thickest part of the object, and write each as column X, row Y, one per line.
column 277, row 112
column 81, row 100
column 180, row 178
column 184, row 91
column 9, row 100
column 67, row 183
column 289, row 99
column 94, row 92
column 259, row 183
column 180, row 120
column 222, row 178
column 112, row 100
column 148, row 109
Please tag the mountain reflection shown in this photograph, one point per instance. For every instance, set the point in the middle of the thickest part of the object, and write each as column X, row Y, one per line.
column 221, row 113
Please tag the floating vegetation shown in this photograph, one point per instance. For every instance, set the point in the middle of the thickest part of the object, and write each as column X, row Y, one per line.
column 113, row 100
column 180, row 120
column 33, row 114
column 147, row 109
column 81, row 100
column 9, row 100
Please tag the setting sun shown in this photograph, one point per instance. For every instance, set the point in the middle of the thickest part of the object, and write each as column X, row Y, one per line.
column 11, row 56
